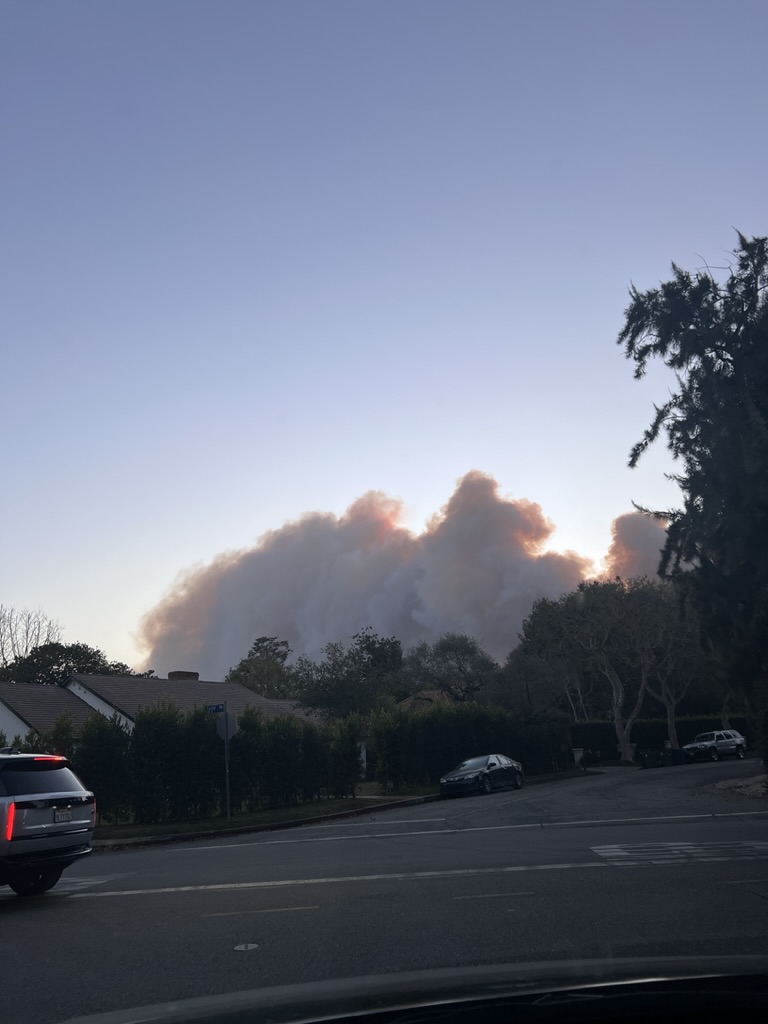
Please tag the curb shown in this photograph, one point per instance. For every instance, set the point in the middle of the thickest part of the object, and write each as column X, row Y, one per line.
column 136, row 842
column 275, row 826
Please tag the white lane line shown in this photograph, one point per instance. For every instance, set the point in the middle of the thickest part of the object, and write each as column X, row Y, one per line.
column 287, row 882
column 76, row 884
column 368, row 835
column 493, row 895
column 747, row 881
column 362, row 824
column 266, row 910
column 460, row 831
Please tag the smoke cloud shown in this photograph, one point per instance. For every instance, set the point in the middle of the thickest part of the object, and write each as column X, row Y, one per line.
column 477, row 568
column 636, row 546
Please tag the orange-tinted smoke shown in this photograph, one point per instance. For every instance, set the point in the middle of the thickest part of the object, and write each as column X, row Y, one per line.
column 636, row 546
column 477, row 568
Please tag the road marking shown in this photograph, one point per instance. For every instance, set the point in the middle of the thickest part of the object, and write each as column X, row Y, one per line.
column 368, row 835
column 612, row 856
column 266, row 910
column 493, row 895
column 478, row 828
column 679, row 853
column 76, row 884
column 384, row 824
column 747, row 881
column 287, row 882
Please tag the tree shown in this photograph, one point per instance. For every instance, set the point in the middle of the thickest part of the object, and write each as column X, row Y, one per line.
column 536, row 687
column 713, row 333
column 264, row 669
column 348, row 680
column 678, row 659
column 456, row 665
column 54, row 663
column 21, row 630
column 611, row 628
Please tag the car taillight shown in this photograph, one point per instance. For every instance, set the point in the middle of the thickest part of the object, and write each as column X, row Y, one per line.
column 50, row 757
column 9, row 821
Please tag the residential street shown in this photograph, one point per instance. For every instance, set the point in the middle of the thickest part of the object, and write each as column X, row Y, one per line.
column 623, row 863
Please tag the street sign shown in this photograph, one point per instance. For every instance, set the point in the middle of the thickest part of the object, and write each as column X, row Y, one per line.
column 215, row 709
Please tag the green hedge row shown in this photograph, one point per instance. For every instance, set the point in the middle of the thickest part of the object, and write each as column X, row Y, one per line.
column 171, row 767
column 417, row 747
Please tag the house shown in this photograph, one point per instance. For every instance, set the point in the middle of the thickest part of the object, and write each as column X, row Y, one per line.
column 31, row 707
column 27, row 707
column 123, row 696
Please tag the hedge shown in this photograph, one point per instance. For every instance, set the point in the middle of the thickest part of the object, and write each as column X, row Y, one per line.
column 171, row 767
column 417, row 747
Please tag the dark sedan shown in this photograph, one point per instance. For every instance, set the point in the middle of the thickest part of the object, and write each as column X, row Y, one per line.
column 482, row 775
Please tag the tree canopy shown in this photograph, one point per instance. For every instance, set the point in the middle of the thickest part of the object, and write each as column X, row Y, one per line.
column 264, row 668
column 56, row 662
column 712, row 331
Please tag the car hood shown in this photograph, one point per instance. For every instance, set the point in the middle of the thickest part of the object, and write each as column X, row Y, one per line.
column 326, row 1000
column 459, row 773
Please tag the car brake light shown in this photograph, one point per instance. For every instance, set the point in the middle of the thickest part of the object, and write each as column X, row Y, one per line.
column 50, row 757
column 9, row 821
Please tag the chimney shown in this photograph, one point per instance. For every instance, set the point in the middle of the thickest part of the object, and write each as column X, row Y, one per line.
column 183, row 675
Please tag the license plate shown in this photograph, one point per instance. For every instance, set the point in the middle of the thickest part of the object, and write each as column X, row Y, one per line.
column 62, row 815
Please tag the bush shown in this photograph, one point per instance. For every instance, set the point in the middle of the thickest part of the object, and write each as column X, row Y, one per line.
column 103, row 761
column 155, row 743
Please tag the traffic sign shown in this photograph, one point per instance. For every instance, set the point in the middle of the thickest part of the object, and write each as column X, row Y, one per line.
column 215, row 709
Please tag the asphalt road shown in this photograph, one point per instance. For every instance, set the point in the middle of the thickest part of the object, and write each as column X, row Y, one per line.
column 627, row 863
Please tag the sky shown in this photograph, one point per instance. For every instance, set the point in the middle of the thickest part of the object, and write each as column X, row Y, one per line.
column 259, row 259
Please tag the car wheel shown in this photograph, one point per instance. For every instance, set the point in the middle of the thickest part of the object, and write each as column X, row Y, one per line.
column 740, row 752
column 36, row 882
column 518, row 783
column 485, row 784
column 713, row 755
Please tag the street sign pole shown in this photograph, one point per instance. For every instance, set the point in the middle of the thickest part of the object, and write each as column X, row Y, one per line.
column 221, row 709
column 226, row 759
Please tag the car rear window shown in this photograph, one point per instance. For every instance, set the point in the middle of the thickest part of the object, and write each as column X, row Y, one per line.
column 37, row 777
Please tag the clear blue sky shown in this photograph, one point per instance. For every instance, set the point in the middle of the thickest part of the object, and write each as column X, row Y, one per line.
column 261, row 257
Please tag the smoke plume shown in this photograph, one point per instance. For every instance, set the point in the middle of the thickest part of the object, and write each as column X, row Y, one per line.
column 636, row 546
column 477, row 568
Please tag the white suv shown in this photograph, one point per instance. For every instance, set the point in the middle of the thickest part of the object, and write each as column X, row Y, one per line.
column 714, row 745
column 47, row 819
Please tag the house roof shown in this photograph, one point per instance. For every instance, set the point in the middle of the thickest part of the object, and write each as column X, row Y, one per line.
column 129, row 693
column 39, row 706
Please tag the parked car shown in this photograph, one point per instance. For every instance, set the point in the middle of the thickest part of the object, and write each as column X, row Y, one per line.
column 47, row 819
column 482, row 775
column 714, row 745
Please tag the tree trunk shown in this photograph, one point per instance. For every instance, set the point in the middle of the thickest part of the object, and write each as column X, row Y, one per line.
column 724, row 723
column 623, row 726
column 672, row 725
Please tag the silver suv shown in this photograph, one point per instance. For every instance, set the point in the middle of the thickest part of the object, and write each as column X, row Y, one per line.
column 714, row 745
column 47, row 819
